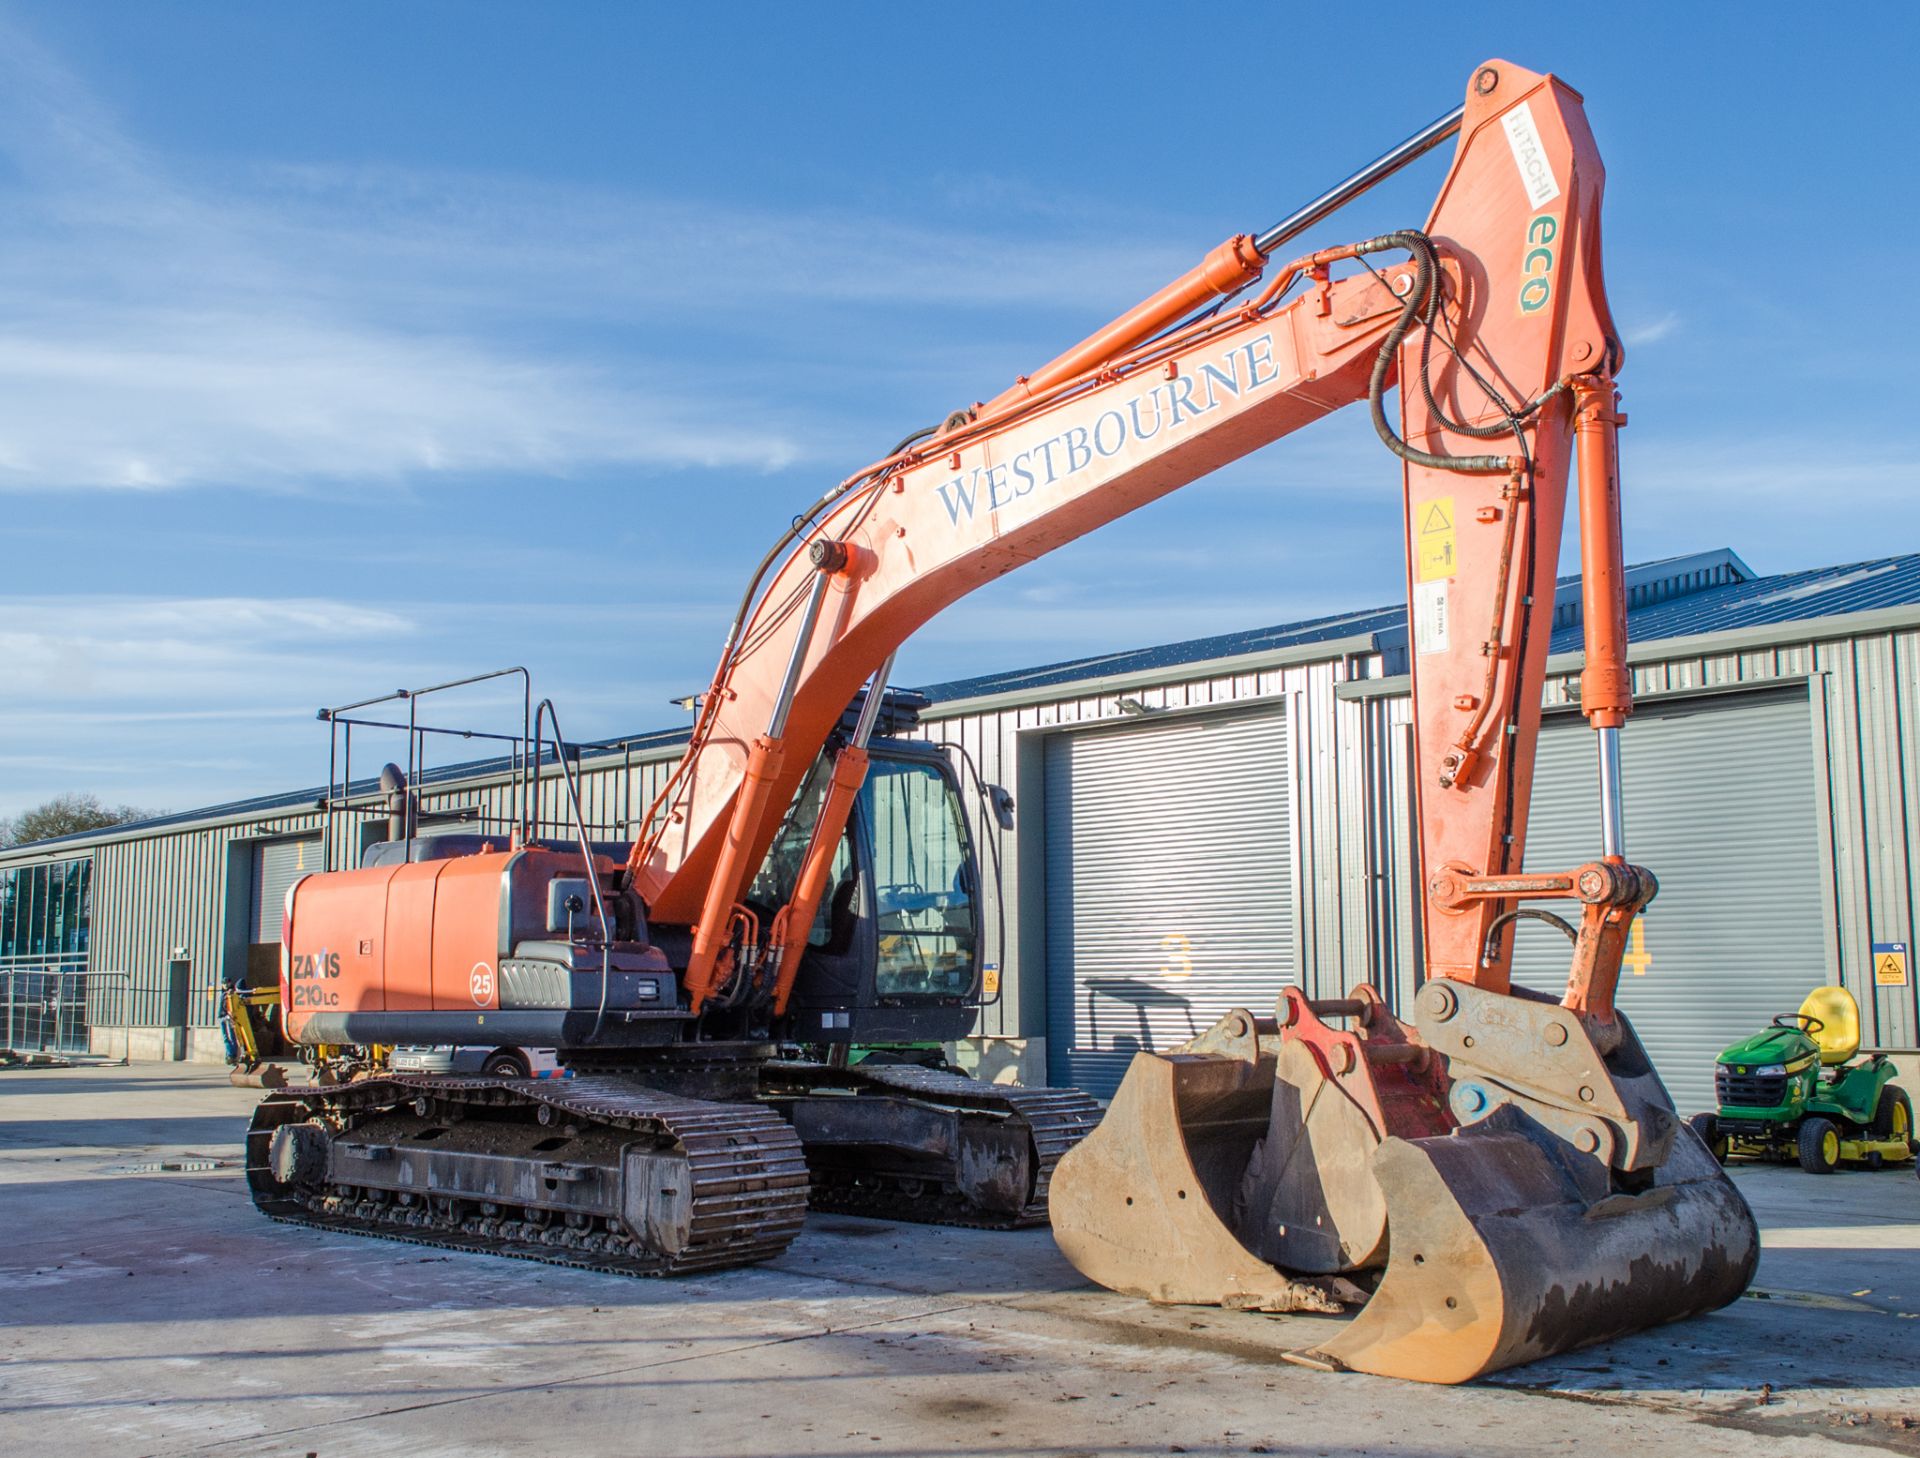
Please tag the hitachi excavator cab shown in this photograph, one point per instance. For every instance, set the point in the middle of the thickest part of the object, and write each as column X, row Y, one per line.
column 894, row 953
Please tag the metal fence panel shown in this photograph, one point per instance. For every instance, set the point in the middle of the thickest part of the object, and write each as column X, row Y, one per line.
column 52, row 1004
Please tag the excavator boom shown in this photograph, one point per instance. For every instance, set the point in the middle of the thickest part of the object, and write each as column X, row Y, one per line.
column 1494, row 317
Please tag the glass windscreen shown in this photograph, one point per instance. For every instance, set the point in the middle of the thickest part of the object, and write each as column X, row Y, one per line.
column 773, row 887
column 923, row 880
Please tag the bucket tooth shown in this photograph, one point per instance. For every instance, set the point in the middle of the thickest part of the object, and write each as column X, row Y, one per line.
column 1509, row 1245
column 1138, row 1204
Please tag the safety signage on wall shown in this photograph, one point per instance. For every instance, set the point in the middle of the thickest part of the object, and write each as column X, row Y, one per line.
column 1889, row 964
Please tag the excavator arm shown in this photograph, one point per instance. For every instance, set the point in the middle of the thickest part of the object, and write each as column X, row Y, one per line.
column 1511, row 1159
column 1493, row 318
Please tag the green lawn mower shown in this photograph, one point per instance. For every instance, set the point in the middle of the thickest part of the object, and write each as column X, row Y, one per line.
column 1794, row 1091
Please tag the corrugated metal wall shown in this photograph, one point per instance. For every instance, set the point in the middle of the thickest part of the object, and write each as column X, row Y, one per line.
column 154, row 894
column 1168, row 884
column 1864, row 691
column 1719, row 799
column 1330, row 870
column 1354, row 912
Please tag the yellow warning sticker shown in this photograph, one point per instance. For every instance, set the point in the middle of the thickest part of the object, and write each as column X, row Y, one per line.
column 1434, row 556
column 1889, row 964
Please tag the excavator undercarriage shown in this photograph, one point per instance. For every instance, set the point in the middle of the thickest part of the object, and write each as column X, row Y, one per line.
column 598, row 1172
column 924, row 1144
column 611, row 1172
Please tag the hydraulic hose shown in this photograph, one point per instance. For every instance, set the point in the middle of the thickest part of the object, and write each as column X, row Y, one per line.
column 1421, row 295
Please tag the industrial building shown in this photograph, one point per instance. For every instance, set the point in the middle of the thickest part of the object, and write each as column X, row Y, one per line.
column 1262, row 779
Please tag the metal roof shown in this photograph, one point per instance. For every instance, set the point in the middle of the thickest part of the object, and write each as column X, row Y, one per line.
column 1171, row 655
column 310, row 799
column 1674, row 597
column 1786, row 597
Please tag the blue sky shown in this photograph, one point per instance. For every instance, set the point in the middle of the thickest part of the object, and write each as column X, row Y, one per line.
column 355, row 345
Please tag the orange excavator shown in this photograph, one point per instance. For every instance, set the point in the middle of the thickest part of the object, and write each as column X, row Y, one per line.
column 1508, row 1159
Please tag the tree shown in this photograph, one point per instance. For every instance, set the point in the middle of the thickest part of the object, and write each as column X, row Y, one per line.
column 65, row 815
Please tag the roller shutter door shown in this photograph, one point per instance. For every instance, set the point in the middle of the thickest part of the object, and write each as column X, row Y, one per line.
column 1168, row 884
column 277, row 864
column 1720, row 806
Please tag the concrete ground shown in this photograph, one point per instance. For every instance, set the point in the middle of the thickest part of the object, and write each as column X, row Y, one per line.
column 146, row 1309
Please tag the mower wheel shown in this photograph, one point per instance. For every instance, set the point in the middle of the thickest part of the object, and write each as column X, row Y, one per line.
column 1819, row 1145
column 1893, row 1119
column 1708, row 1128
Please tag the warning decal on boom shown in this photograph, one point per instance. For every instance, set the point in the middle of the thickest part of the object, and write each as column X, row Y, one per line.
column 1435, row 557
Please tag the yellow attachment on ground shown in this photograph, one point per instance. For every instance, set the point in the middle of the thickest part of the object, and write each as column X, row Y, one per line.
column 1838, row 1035
column 1894, row 1150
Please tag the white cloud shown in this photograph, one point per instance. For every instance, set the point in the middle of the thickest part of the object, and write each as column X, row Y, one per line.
column 1776, row 480
column 280, row 327
column 67, row 650
column 1653, row 330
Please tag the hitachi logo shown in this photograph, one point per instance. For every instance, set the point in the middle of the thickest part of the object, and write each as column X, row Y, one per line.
column 1170, row 405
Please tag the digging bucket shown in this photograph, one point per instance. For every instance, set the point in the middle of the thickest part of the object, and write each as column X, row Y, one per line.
column 1143, row 1204
column 1508, row 1245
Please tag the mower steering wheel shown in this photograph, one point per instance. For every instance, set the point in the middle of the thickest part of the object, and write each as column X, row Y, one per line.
column 1799, row 1022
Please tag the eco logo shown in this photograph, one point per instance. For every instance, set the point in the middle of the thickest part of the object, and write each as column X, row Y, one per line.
column 1536, row 269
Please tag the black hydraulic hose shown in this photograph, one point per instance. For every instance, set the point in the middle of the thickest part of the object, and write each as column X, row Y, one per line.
column 1526, row 913
column 731, row 650
column 1419, row 296
column 800, row 524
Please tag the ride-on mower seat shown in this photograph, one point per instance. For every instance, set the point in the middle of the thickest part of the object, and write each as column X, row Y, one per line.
column 1838, row 1033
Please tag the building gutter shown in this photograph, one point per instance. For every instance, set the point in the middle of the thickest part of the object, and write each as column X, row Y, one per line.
column 1327, row 649
column 1800, row 631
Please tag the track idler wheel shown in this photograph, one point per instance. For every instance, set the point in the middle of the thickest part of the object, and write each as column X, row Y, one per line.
column 1509, row 1245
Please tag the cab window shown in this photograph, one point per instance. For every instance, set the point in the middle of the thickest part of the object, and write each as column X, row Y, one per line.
column 923, row 880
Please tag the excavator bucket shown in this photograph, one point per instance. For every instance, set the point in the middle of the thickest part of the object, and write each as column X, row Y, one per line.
column 1143, row 1204
column 1509, row 1245
column 1250, row 1170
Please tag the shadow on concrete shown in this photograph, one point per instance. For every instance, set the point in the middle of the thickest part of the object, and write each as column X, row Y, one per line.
column 75, row 1080
column 223, row 1133
column 94, row 1251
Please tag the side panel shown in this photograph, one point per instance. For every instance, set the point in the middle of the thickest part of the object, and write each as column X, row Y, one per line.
column 329, row 919
column 467, row 932
column 407, row 954
column 406, row 938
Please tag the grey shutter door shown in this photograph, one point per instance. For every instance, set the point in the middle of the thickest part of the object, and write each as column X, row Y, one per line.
column 1168, row 885
column 1720, row 806
column 277, row 864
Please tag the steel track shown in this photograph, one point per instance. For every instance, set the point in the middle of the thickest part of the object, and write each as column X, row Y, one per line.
column 749, row 1194
column 1055, row 1119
